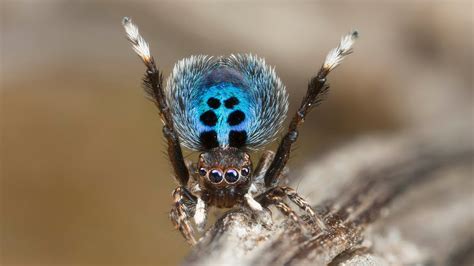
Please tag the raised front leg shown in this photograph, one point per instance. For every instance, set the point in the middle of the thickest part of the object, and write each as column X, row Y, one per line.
column 317, row 88
column 153, row 84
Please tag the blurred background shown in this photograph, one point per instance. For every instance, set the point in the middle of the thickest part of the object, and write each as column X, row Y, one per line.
column 84, row 178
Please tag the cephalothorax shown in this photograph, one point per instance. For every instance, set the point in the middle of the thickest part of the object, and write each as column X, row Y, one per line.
column 226, row 107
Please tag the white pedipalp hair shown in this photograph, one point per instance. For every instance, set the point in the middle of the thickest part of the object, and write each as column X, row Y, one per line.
column 200, row 214
column 336, row 55
column 253, row 204
column 139, row 45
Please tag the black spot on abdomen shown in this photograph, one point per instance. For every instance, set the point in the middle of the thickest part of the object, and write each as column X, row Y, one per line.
column 235, row 118
column 214, row 103
column 231, row 102
column 237, row 138
column 209, row 118
column 209, row 139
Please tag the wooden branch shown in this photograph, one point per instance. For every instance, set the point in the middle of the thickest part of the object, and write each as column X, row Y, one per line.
column 355, row 184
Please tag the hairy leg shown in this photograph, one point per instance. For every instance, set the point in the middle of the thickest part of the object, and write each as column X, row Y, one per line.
column 153, row 84
column 317, row 89
column 276, row 197
column 277, row 200
column 304, row 205
column 180, row 213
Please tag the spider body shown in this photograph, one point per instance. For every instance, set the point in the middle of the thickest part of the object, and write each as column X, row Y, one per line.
column 224, row 176
column 225, row 107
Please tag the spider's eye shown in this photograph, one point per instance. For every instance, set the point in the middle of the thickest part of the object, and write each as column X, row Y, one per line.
column 215, row 176
column 245, row 171
column 231, row 176
column 202, row 171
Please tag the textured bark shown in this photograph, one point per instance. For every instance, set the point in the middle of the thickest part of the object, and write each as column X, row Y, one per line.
column 387, row 200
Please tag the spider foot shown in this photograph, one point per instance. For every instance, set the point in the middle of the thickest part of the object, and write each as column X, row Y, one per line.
column 179, row 216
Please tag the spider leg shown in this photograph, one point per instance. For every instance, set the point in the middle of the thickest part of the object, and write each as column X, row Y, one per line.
column 263, row 164
column 317, row 89
column 285, row 209
column 153, row 84
column 258, row 183
column 303, row 204
column 276, row 196
column 179, row 214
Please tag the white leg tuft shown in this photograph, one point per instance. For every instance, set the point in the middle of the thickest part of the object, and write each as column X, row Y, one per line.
column 139, row 45
column 253, row 204
column 200, row 215
column 336, row 55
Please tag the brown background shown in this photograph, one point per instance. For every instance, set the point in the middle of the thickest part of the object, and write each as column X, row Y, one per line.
column 83, row 175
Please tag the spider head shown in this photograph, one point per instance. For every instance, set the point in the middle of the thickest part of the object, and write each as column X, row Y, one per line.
column 224, row 168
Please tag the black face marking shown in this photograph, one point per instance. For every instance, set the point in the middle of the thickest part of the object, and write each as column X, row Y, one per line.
column 235, row 118
column 231, row 102
column 209, row 118
column 237, row 138
column 214, row 103
column 209, row 139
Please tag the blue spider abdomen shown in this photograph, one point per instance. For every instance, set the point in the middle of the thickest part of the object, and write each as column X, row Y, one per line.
column 235, row 101
column 223, row 113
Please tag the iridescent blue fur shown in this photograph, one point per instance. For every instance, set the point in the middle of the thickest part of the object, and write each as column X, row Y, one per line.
column 222, row 91
column 258, row 94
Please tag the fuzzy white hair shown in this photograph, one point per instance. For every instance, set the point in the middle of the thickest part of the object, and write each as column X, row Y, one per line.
column 139, row 45
column 200, row 214
column 336, row 55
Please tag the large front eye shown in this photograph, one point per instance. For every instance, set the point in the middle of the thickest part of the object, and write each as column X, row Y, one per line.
column 231, row 176
column 215, row 176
